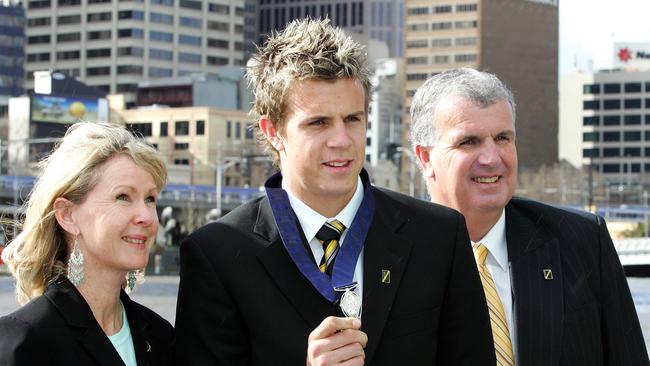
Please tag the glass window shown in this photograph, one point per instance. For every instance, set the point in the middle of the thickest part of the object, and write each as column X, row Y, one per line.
column 182, row 128
column 632, row 135
column 40, row 22
column 130, row 14
column 99, row 52
column 591, row 121
column 161, row 36
column 40, row 39
column 442, row 9
column 130, row 33
column 161, row 18
column 190, row 22
column 238, row 130
column 104, row 34
column 632, row 103
column 200, row 127
column 611, row 88
column 591, row 105
column 68, row 37
column 189, row 40
column 218, row 26
column 609, row 104
column 191, row 58
column 612, row 120
column 68, row 19
column 158, row 54
column 611, row 168
column 633, row 87
column 590, row 153
column 159, row 72
column 99, row 17
column 633, row 119
column 610, row 136
column 610, row 152
column 591, row 89
column 213, row 60
column 228, row 129
column 130, row 51
column 218, row 43
column 140, row 129
column 163, row 129
column 191, row 4
column 466, row 7
column 129, row 70
column 68, row 55
column 632, row 151
column 98, row 71
column 590, row 136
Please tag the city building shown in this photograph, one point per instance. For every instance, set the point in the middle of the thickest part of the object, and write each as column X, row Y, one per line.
column 113, row 45
column 385, row 111
column 605, row 124
column 12, row 57
column 515, row 39
column 199, row 144
column 227, row 89
column 380, row 20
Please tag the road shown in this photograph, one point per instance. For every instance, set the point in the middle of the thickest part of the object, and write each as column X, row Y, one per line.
column 159, row 294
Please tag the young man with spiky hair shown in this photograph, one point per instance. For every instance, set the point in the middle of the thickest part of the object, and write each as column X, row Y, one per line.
column 327, row 269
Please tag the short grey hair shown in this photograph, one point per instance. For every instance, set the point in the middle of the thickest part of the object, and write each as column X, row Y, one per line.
column 475, row 86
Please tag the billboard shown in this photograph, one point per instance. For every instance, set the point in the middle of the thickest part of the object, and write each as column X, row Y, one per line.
column 632, row 55
column 56, row 109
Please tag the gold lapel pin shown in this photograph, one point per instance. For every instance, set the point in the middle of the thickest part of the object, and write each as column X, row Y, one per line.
column 385, row 276
column 548, row 274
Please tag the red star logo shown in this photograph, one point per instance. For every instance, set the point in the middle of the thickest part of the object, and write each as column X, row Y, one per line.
column 624, row 54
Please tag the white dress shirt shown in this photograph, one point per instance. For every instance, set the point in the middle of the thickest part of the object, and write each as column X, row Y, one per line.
column 311, row 221
column 499, row 267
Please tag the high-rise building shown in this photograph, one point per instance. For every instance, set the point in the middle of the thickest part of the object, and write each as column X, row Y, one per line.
column 515, row 39
column 380, row 20
column 605, row 124
column 12, row 56
column 115, row 44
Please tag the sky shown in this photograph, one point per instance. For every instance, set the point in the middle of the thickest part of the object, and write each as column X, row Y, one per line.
column 588, row 28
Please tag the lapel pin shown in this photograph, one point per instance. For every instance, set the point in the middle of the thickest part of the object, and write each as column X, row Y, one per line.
column 385, row 276
column 548, row 274
column 148, row 347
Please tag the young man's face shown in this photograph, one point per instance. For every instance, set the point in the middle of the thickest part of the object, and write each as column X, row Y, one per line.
column 322, row 141
column 473, row 167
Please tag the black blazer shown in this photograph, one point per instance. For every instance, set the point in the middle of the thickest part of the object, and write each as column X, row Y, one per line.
column 58, row 328
column 584, row 315
column 243, row 301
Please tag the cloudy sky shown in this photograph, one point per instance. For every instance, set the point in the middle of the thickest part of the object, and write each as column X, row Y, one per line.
column 588, row 28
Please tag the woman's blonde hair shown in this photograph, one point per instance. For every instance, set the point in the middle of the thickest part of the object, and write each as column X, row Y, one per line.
column 39, row 253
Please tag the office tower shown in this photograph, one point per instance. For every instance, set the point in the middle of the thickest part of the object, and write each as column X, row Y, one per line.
column 115, row 44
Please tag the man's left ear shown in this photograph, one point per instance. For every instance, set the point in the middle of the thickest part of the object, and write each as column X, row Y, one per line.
column 423, row 153
column 271, row 133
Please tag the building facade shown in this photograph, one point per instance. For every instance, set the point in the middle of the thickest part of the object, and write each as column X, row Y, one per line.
column 605, row 124
column 12, row 55
column 198, row 141
column 115, row 44
column 515, row 39
column 380, row 20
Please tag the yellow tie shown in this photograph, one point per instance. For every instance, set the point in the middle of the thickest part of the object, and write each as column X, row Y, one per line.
column 329, row 236
column 500, row 333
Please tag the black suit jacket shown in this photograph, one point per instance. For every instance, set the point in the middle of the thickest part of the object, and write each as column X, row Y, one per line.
column 584, row 315
column 242, row 300
column 59, row 328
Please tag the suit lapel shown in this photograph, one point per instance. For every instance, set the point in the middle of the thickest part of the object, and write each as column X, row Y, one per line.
column 536, row 277
column 77, row 314
column 311, row 306
column 383, row 250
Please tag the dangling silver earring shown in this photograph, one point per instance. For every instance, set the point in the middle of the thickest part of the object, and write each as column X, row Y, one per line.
column 131, row 279
column 76, row 265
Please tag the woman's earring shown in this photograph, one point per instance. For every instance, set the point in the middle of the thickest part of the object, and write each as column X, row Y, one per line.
column 76, row 265
column 131, row 279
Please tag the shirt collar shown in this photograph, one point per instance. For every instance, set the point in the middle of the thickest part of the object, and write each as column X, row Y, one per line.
column 495, row 241
column 311, row 221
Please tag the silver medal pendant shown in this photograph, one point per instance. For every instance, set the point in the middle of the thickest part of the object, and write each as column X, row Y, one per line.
column 350, row 302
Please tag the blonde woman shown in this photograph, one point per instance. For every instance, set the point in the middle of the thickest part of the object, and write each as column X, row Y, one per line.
column 89, row 224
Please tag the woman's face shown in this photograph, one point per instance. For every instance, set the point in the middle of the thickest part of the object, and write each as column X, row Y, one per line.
column 117, row 220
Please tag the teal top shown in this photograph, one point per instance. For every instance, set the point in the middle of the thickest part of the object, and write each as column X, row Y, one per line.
column 123, row 341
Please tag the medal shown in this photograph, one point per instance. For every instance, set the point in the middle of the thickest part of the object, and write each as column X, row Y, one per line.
column 350, row 302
